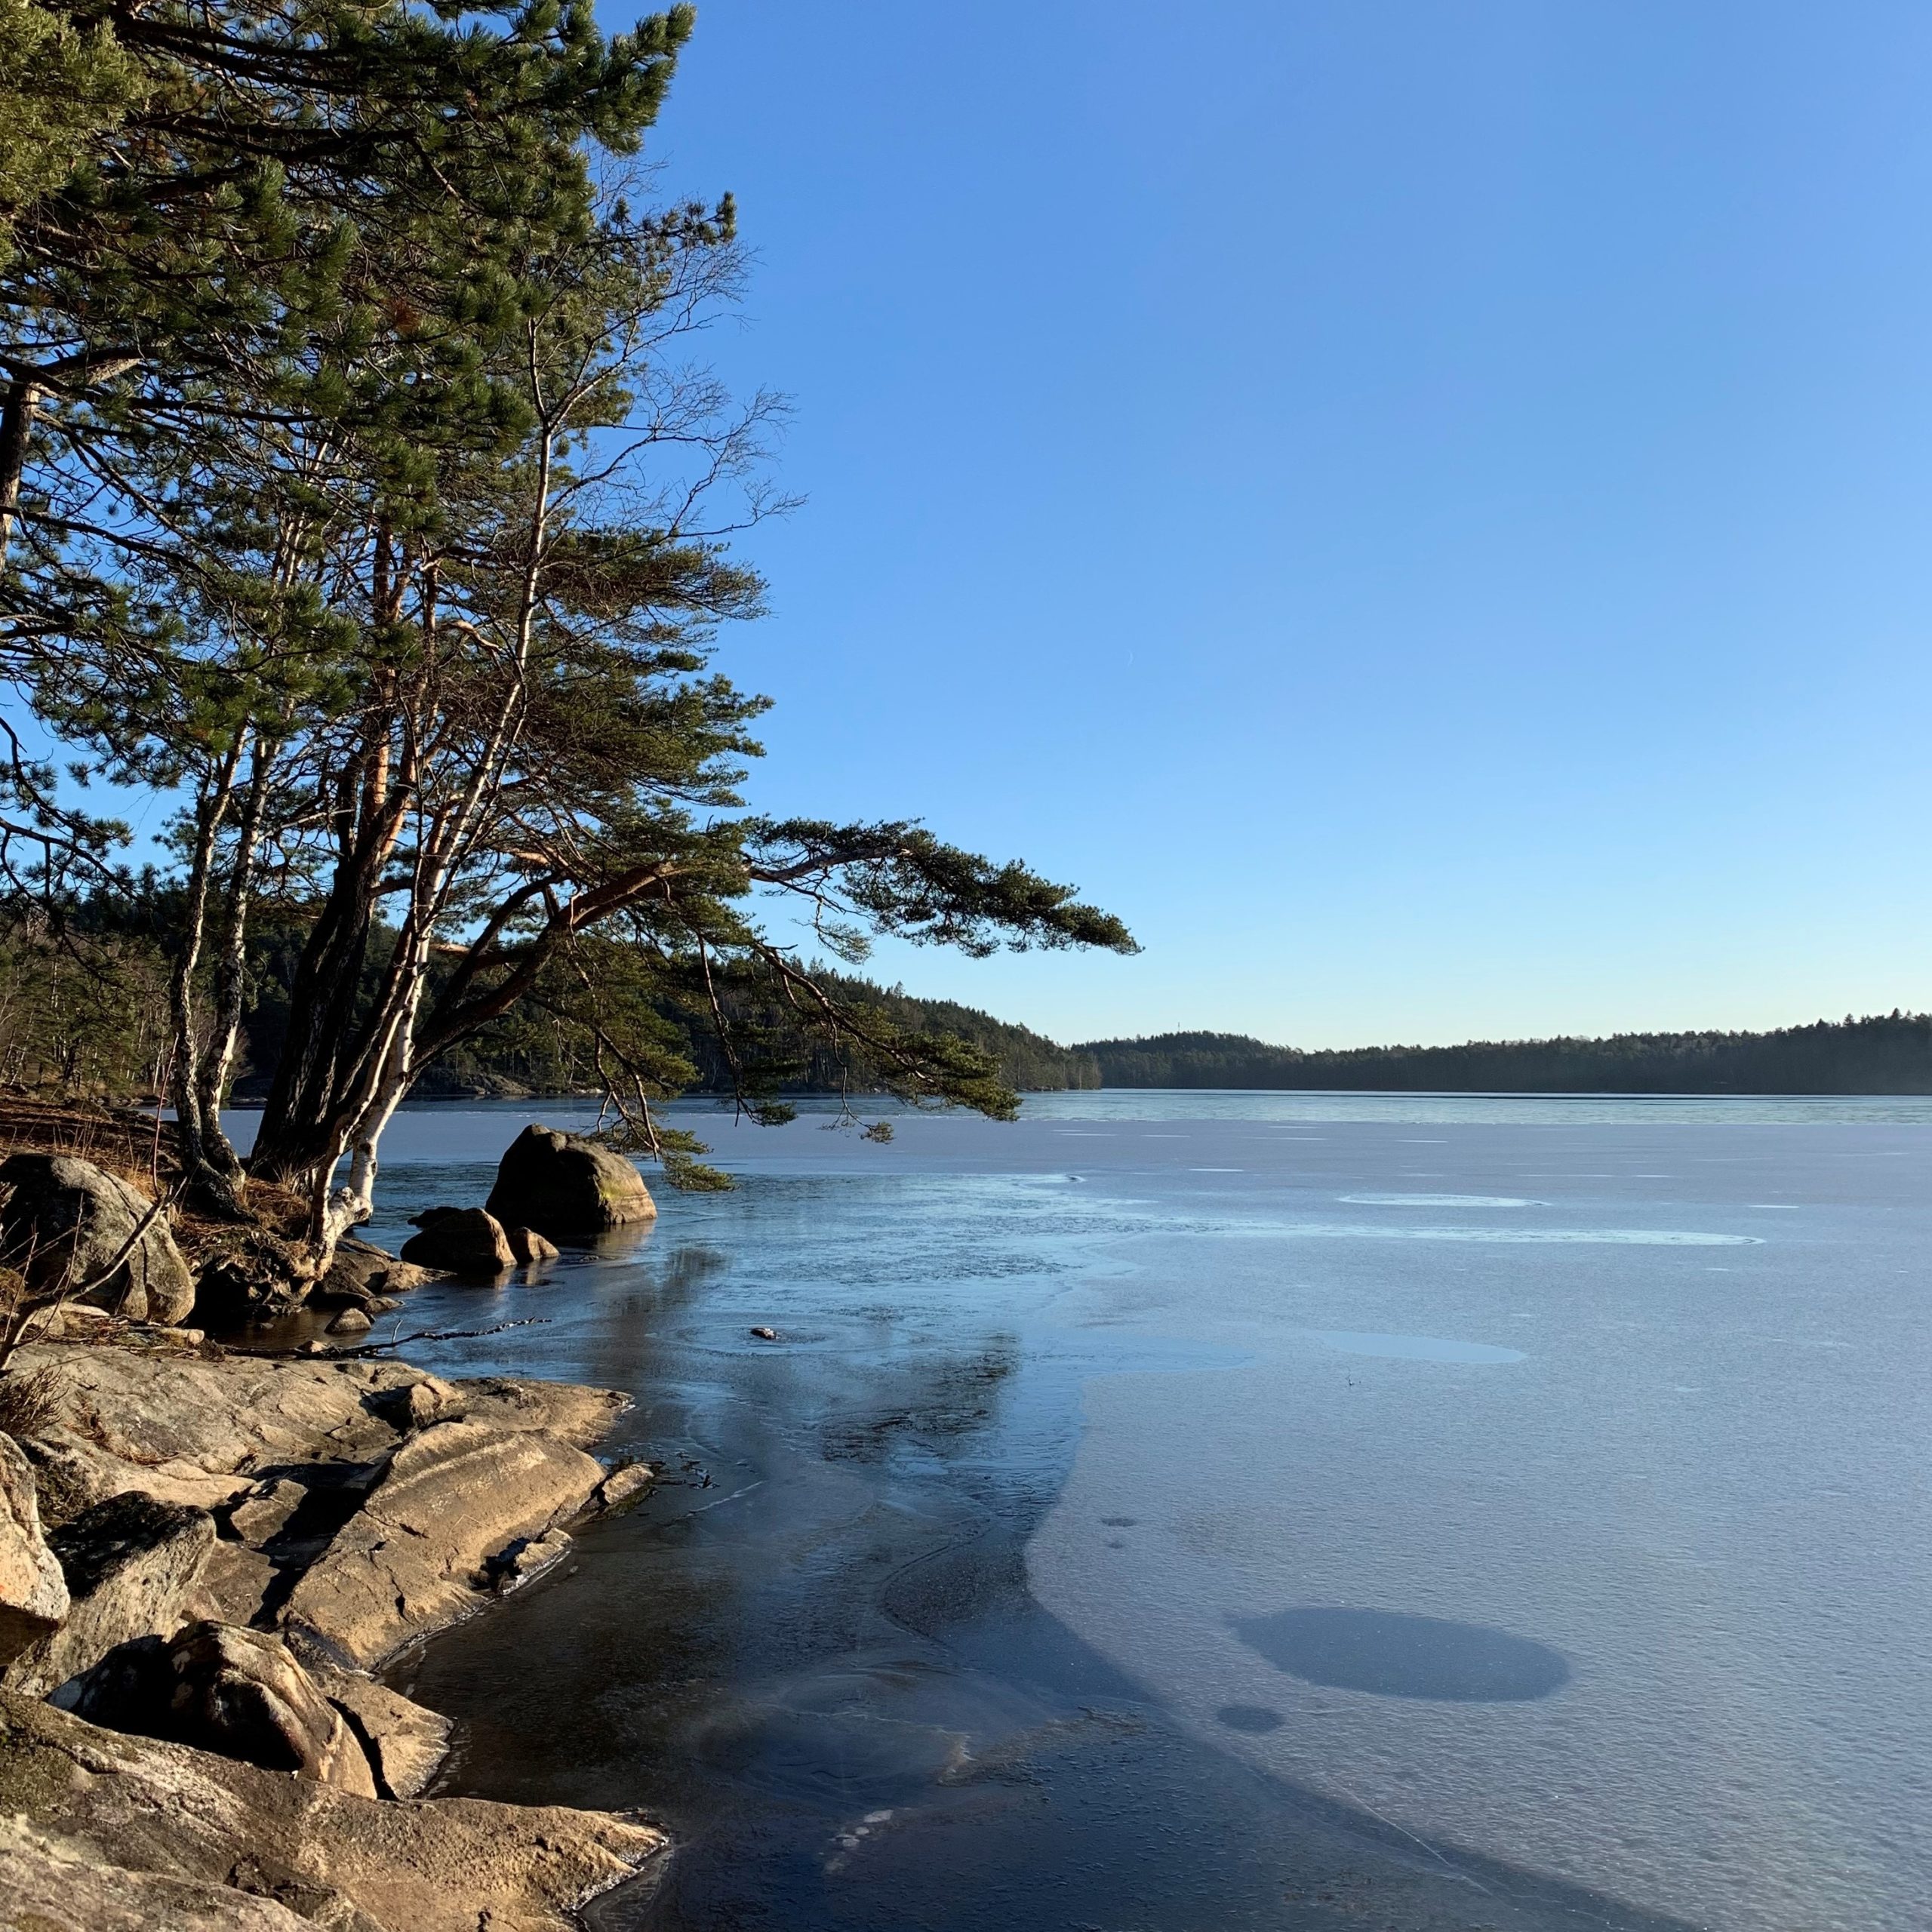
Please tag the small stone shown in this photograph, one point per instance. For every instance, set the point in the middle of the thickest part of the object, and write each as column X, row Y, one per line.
column 351, row 1321
column 416, row 1404
column 766, row 1334
column 529, row 1248
column 426, row 1402
column 621, row 1485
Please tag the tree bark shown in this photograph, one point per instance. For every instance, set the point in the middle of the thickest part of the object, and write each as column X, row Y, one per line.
column 203, row 1176
column 17, row 419
column 217, row 1058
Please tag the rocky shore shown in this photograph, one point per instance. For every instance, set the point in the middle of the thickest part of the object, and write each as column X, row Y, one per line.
column 203, row 1556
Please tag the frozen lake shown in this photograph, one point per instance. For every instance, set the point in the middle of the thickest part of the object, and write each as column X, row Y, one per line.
column 1195, row 1511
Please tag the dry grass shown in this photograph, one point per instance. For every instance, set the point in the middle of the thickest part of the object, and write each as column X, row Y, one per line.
column 29, row 1400
column 133, row 1147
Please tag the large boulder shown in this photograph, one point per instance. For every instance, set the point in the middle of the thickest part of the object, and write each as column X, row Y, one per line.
column 69, row 1229
column 417, row 1554
column 240, row 1693
column 567, row 1187
column 33, row 1592
column 131, row 1564
column 470, row 1244
column 180, row 1820
column 188, row 1428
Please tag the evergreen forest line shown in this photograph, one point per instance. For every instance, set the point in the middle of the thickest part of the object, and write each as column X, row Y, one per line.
column 1881, row 1053
column 84, row 1013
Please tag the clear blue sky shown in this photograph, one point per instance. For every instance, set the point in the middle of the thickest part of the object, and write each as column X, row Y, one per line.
column 1423, row 509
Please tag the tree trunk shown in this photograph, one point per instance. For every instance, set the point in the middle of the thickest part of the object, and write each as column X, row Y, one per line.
column 217, row 1058
column 204, row 1178
column 17, row 419
column 295, row 1140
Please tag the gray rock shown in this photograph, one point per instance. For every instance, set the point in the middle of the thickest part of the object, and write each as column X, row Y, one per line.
column 240, row 1693
column 236, row 1692
column 360, row 1273
column 176, row 1817
column 620, row 1486
column 194, row 1429
column 65, row 1480
column 131, row 1689
column 233, row 1587
column 48, row 1884
column 187, row 1429
column 405, row 1743
column 33, row 1592
column 470, row 1244
column 351, row 1321
column 567, row 1187
column 529, row 1248
column 416, row 1556
column 63, row 1221
column 265, row 1511
column 131, row 1564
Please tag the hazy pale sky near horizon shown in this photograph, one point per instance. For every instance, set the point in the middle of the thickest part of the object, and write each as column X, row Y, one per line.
column 1422, row 509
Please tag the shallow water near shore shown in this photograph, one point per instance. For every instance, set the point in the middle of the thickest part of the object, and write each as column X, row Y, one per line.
column 1200, row 1511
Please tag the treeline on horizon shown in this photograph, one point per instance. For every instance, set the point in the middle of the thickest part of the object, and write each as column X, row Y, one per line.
column 85, row 1012
column 1881, row 1053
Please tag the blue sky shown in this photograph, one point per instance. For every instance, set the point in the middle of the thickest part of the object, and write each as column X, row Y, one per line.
column 1422, row 509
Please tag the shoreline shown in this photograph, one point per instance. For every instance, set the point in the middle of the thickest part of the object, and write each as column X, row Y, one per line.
column 336, row 1511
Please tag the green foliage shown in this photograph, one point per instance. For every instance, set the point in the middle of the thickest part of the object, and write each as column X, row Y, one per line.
column 62, row 86
column 357, row 493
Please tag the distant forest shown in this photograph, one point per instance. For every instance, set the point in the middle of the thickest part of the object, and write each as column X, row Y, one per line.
column 1887, row 1054
column 85, row 1012
column 514, row 1059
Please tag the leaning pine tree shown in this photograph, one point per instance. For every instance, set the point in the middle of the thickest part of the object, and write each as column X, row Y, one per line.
column 355, row 485
column 533, row 803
